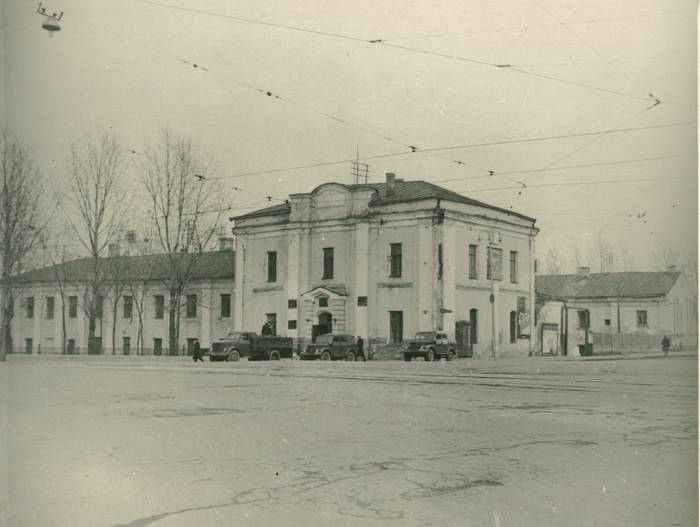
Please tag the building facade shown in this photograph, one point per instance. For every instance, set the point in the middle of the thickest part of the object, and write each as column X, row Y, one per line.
column 614, row 312
column 386, row 260
column 52, row 298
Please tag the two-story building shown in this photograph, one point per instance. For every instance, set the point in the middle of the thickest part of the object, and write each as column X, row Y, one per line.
column 51, row 300
column 386, row 260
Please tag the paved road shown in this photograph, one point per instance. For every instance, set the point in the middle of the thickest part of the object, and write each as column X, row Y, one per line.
column 164, row 442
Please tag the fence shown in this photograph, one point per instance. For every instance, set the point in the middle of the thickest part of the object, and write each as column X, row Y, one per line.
column 638, row 342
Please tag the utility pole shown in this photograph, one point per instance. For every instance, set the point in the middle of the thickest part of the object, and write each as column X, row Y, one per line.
column 494, row 294
column 359, row 170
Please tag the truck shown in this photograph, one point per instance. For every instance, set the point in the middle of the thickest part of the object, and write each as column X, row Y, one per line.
column 239, row 344
column 430, row 345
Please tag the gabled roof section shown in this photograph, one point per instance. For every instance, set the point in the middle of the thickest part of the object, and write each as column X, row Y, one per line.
column 605, row 285
column 403, row 191
column 210, row 266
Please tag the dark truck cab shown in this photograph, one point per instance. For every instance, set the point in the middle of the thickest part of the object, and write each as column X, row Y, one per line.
column 240, row 344
column 430, row 345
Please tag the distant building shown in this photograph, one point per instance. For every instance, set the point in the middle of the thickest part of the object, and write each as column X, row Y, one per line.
column 383, row 261
column 49, row 294
column 613, row 312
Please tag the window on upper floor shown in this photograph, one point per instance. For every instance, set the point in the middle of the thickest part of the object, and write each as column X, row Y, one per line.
column 72, row 307
column 159, row 307
column 272, row 266
column 473, row 270
column 327, row 263
column 191, row 306
column 642, row 318
column 128, row 306
column 513, row 267
column 395, row 260
column 30, row 307
column 225, row 311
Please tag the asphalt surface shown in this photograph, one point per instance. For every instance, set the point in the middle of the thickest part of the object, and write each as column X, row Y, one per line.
column 522, row 442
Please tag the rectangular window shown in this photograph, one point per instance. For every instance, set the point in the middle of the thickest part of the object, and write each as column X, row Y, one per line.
column 291, row 324
column 72, row 307
column 395, row 259
column 513, row 267
column 473, row 275
column 291, row 303
column 126, row 346
column 362, row 301
column 327, row 263
column 607, row 321
column 497, row 256
column 225, row 306
column 30, row 307
column 272, row 266
column 191, row 307
column 272, row 322
column 70, row 350
column 642, row 318
column 323, row 301
column 50, row 302
column 159, row 306
column 28, row 345
column 439, row 261
column 190, row 346
column 395, row 327
column 157, row 346
column 128, row 306
column 99, row 305
column 582, row 319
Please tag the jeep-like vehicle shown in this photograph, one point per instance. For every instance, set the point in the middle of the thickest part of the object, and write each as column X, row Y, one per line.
column 430, row 345
column 331, row 347
column 240, row 344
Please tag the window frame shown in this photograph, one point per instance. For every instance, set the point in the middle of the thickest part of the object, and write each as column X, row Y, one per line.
column 191, row 305
column 271, row 266
column 73, row 306
column 29, row 307
column 645, row 314
column 513, row 267
column 395, row 260
column 158, row 307
column 328, row 263
column 128, row 313
column 225, row 313
column 50, row 307
column 473, row 261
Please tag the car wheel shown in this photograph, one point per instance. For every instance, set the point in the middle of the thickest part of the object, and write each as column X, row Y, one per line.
column 451, row 355
column 234, row 356
column 430, row 356
column 407, row 358
column 350, row 356
column 274, row 355
column 326, row 355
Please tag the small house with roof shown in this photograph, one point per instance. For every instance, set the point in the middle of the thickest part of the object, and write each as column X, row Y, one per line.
column 49, row 312
column 590, row 313
column 385, row 260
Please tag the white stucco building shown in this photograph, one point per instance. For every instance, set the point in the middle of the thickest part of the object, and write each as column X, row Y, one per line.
column 384, row 261
column 50, row 295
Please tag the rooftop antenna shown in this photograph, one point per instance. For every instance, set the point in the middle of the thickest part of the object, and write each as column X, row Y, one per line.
column 359, row 170
column 50, row 23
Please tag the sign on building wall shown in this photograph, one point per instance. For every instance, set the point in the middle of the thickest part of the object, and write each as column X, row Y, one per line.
column 523, row 318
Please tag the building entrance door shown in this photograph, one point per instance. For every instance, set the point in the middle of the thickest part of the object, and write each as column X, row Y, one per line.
column 463, row 338
column 325, row 324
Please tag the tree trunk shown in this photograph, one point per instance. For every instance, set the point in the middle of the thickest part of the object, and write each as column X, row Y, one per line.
column 63, row 325
column 114, row 327
column 173, row 340
column 91, row 334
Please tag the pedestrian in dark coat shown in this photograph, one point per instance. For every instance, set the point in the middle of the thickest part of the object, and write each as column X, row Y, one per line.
column 361, row 348
column 197, row 351
column 266, row 329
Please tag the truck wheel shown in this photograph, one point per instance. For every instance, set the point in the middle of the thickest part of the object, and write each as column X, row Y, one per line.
column 350, row 356
column 274, row 355
column 326, row 355
column 234, row 356
column 430, row 356
column 407, row 357
column 451, row 355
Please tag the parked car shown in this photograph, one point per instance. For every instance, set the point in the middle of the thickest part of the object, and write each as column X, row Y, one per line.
column 430, row 345
column 331, row 347
column 240, row 344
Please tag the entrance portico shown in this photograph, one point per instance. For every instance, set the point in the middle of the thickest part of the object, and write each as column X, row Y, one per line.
column 324, row 311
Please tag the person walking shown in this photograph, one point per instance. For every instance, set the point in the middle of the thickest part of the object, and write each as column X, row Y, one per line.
column 197, row 351
column 361, row 348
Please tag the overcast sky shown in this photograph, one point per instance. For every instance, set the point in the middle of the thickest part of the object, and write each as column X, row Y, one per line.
column 566, row 67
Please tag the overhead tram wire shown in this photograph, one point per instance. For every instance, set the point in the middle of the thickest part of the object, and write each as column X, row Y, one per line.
column 453, row 147
column 387, row 43
column 411, row 148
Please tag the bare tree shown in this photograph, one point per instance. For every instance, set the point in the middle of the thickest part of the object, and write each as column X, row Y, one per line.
column 21, row 224
column 96, row 167
column 117, row 283
column 603, row 253
column 554, row 262
column 185, row 212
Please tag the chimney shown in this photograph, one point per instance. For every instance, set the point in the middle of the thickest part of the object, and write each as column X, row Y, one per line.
column 671, row 268
column 113, row 249
column 225, row 243
column 584, row 270
column 390, row 181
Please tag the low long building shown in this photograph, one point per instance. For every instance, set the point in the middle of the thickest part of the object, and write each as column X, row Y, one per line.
column 385, row 260
column 52, row 298
column 614, row 312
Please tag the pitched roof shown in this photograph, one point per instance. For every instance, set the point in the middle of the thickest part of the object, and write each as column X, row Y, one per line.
column 403, row 191
column 605, row 285
column 210, row 266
